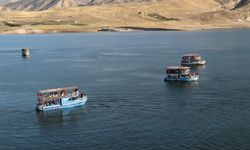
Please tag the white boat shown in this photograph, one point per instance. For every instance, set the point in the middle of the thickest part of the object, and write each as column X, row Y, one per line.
column 59, row 98
column 176, row 73
column 192, row 59
column 25, row 52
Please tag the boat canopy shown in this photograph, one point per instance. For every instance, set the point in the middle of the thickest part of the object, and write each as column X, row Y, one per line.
column 73, row 88
column 189, row 55
column 177, row 68
column 25, row 49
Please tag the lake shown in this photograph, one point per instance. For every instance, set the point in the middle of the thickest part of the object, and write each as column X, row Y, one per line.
column 129, row 105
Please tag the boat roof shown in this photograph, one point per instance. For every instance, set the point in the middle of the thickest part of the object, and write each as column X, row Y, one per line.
column 177, row 67
column 191, row 55
column 57, row 89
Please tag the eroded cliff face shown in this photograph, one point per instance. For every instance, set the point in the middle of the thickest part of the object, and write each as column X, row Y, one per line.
column 5, row 2
column 233, row 4
column 38, row 5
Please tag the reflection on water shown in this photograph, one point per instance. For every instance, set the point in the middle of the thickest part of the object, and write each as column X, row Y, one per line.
column 175, row 85
column 25, row 57
column 59, row 117
column 198, row 68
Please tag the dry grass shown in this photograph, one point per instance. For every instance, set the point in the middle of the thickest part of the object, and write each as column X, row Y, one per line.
column 171, row 14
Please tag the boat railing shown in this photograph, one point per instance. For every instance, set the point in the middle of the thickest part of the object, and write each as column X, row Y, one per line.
column 194, row 74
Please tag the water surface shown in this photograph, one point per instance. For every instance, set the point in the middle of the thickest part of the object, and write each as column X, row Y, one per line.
column 129, row 106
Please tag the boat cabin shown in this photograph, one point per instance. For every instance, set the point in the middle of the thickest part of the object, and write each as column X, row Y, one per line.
column 180, row 74
column 193, row 57
column 178, row 70
column 54, row 96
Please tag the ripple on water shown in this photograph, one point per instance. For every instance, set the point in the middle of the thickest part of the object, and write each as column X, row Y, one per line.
column 129, row 105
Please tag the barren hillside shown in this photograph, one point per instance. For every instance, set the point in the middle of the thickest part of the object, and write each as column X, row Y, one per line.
column 31, row 5
column 47, row 4
column 166, row 14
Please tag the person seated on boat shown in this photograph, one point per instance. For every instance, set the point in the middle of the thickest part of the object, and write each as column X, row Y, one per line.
column 55, row 94
column 71, row 99
column 75, row 92
column 62, row 93
column 53, row 102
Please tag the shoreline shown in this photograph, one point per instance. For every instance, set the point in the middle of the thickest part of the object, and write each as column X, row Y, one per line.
column 118, row 29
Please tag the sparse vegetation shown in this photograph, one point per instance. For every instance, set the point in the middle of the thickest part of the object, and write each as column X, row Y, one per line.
column 162, row 15
column 162, row 18
column 12, row 24
column 47, row 23
column 57, row 22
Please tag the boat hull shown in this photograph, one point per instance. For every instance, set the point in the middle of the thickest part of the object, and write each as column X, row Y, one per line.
column 75, row 103
column 203, row 62
column 192, row 79
column 25, row 54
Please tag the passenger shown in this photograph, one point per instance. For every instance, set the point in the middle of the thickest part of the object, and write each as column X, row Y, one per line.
column 62, row 93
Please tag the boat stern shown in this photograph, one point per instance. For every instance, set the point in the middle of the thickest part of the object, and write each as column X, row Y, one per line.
column 39, row 108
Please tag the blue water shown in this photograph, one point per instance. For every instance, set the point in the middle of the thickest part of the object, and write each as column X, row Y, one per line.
column 129, row 105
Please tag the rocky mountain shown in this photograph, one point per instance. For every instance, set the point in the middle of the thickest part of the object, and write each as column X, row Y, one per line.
column 47, row 4
column 4, row 2
column 38, row 5
column 233, row 4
